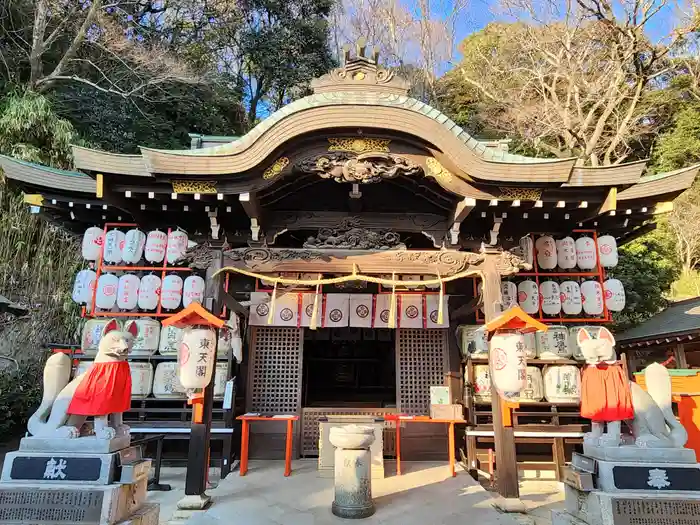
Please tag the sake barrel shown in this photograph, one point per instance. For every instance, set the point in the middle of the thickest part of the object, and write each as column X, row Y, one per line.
column 146, row 342
column 92, row 243
column 156, row 242
column 526, row 245
column 196, row 357
column 614, row 295
column 193, row 290
column 149, row 292
column 141, row 379
column 220, row 378
column 92, row 334
column 530, row 340
column 177, row 245
column 546, row 252
column 573, row 339
column 166, row 382
column 551, row 298
column 566, row 253
column 509, row 294
column 133, row 246
column 534, row 388
column 171, row 292
column 83, row 286
column 571, row 302
column 554, row 343
column 472, row 340
column 562, row 384
column 592, row 294
column 482, row 384
column 170, row 339
column 528, row 296
column 508, row 361
column 586, row 253
column 106, row 296
column 114, row 244
column 607, row 251
column 128, row 291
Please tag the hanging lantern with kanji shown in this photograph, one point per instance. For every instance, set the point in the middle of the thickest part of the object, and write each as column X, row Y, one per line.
column 546, row 252
column 106, row 295
column 193, row 290
column 171, row 292
column 592, row 294
column 83, row 286
column 149, row 292
column 607, row 251
column 586, row 253
column 614, row 295
column 177, row 245
column 528, row 296
column 134, row 242
column 566, row 253
column 154, row 251
column 114, row 244
column 128, row 291
column 551, row 297
column 571, row 303
column 93, row 239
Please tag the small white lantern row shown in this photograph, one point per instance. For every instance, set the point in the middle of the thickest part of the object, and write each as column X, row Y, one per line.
column 177, row 245
column 196, row 357
column 551, row 298
column 566, row 253
column 128, row 291
column 106, row 296
column 149, row 292
column 114, row 244
column 92, row 243
column 592, row 294
column 528, row 296
column 508, row 362
column 171, row 292
column 133, row 246
column 607, row 251
column 509, row 294
column 193, row 291
column 546, row 252
column 154, row 251
column 586, row 256
column 614, row 295
column 571, row 302
column 554, row 343
column 146, row 343
column 83, row 286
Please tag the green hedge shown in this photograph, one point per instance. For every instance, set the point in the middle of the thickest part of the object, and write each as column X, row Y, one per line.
column 20, row 396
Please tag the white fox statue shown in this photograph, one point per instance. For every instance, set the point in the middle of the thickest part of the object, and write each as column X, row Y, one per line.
column 653, row 424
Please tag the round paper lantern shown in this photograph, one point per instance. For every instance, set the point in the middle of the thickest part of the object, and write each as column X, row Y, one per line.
column 592, row 294
column 133, row 246
column 171, row 292
column 562, row 384
column 92, row 334
column 566, row 253
column 196, row 357
column 170, row 339
column 156, row 242
column 509, row 294
column 614, row 295
column 220, row 378
column 141, row 379
column 607, row 251
column 571, row 302
column 193, row 291
column 482, row 384
column 551, row 298
column 149, row 292
column 586, row 256
column 526, row 245
column 114, row 244
column 92, row 243
column 146, row 342
column 528, row 296
column 508, row 361
column 166, row 382
column 83, row 286
column 554, row 343
column 546, row 252
column 534, row 389
column 128, row 291
column 177, row 245
column 106, row 296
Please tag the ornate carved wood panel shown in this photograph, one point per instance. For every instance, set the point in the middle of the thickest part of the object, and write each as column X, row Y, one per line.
column 421, row 362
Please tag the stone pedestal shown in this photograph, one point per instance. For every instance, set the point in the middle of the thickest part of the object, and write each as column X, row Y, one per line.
column 326, row 452
column 353, row 481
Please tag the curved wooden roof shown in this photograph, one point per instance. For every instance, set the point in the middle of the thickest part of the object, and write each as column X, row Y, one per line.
column 42, row 176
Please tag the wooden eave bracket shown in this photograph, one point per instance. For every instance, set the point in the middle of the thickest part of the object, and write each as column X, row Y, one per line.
column 252, row 207
column 462, row 210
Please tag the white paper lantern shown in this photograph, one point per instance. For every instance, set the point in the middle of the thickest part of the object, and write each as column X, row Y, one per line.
column 149, row 292
column 171, row 292
column 141, row 379
column 156, row 242
column 528, row 297
column 128, row 291
column 106, row 296
column 526, row 245
column 114, row 244
column 534, row 388
column 509, row 294
column 193, row 291
column 592, row 294
column 196, row 357
column 586, row 256
column 83, row 286
column 92, row 334
column 482, row 384
column 166, row 382
column 614, row 295
column 508, row 362
column 554, row 343
column 546, row 252
column 170, row 339
column 220, row 378
column 566, row 253
column 551, row 297
column 571, row 302
column 146, row 342
column 92, row 243
column 177, row 245
column 133, row 246
column 607, row 251
column 562, row 384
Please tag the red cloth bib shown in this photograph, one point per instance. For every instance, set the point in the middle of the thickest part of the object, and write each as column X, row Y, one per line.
column 105, row 389
column 605, row 394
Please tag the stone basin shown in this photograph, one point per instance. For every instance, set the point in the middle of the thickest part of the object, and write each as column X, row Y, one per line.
column 351, row 437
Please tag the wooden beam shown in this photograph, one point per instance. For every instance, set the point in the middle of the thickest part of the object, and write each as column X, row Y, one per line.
column 252, row 207
column 233, row 305
column 462, row 210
